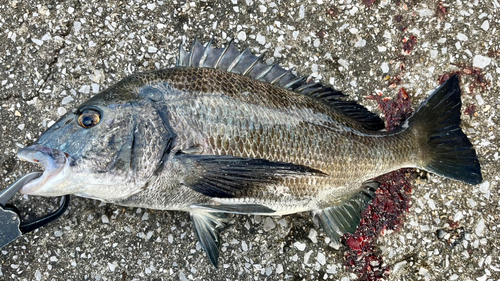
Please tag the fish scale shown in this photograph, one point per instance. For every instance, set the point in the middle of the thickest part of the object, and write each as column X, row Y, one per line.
column 223, row 132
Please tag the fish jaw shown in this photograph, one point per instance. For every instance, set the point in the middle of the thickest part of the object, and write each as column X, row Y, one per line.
column 57, row 169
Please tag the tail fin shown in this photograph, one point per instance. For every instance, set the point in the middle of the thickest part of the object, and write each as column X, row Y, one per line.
column 446, row 150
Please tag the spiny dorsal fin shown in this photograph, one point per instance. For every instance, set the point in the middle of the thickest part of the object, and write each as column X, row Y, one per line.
column 230, row 59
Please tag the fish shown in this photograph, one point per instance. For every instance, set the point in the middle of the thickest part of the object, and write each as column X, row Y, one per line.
column 223, row 132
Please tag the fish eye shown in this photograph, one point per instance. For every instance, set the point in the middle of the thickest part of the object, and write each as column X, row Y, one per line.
column 89, row 118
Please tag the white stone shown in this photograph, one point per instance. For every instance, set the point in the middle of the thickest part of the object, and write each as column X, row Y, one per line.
column 244, row 246
column 480, row 100
column 77, row 26
column 145, row 216
column 279, row 269
column 151, row 6
column 242, row 36
column 302, row 11
column 385, row 67
column 353, row 30
column 261, row 39
column 111, row 266
column 485, row 26
column 423, row 271
column 104, row 219
column 361, row 43
column 152, row 49
column 21, row 126
column 300, row 246
column 480, row 227
column 431, row 204
column 332, row 269
column 61, row 111
column 37, row 41
column 426, row 13
column 481, row 61
column 269, row 224
column 46, row 37
column 458, row 216
column 313, row 234
column 484, row 187
column 343, row 62
column 321, row 258
column 95, row 88
column 462, row 37
column 67, row 100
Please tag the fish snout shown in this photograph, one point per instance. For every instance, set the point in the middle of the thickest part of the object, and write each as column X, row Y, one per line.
column 56, row 168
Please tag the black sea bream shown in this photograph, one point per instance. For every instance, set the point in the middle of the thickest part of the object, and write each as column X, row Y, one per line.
column 223, row 132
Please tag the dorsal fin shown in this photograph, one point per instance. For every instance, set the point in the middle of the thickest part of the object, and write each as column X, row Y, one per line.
column 245, row 63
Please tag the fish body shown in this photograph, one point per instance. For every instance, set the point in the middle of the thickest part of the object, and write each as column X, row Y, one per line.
column 226, row 133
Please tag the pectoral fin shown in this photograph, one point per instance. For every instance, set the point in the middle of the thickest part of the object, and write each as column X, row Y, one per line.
column 229, row 176
column 345, row 218
column 207, row 226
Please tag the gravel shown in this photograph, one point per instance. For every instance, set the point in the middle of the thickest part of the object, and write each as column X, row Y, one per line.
column 55, row 55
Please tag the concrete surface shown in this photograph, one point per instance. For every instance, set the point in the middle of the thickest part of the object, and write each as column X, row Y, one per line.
column 56, row 54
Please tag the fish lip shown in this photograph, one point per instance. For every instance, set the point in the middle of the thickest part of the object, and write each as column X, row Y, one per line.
column 55, row 162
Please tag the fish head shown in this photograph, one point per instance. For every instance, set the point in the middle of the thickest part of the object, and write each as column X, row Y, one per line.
column 108, row 148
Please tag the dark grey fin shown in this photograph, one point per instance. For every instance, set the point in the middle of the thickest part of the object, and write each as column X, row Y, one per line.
column 237, row 208
column 207, row 226
column 206, row 51
column 183, row 58
column 196, row 53
column 229, row 176
column 245, row 63
column 345, row 218
column 446, row 150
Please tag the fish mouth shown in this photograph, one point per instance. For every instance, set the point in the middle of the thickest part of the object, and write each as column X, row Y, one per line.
column 56, row 168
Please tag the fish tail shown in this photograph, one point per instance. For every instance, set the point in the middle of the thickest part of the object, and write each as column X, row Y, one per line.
column 444, row 148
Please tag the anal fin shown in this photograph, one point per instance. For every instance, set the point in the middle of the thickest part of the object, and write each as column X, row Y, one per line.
column 207, row 226
column 338, row 220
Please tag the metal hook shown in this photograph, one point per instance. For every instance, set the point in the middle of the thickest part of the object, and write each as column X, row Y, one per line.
column 12, row 226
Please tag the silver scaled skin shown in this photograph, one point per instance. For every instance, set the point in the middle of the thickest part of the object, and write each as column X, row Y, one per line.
column 225, row 133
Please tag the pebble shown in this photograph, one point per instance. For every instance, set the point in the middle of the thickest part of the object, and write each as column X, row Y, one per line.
column 480, row 228
column 385, row 67
column 67, row 100
column 313, row 235
column 300, row 246
column 269, row 224
column 321, row 258
column 485, row 26
column 481, row 61
column 484, row 187
column 104, row 219
column 261, row 39
column 480, row 100
column 61, row 111
column 242, row 36
column 37, row 41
